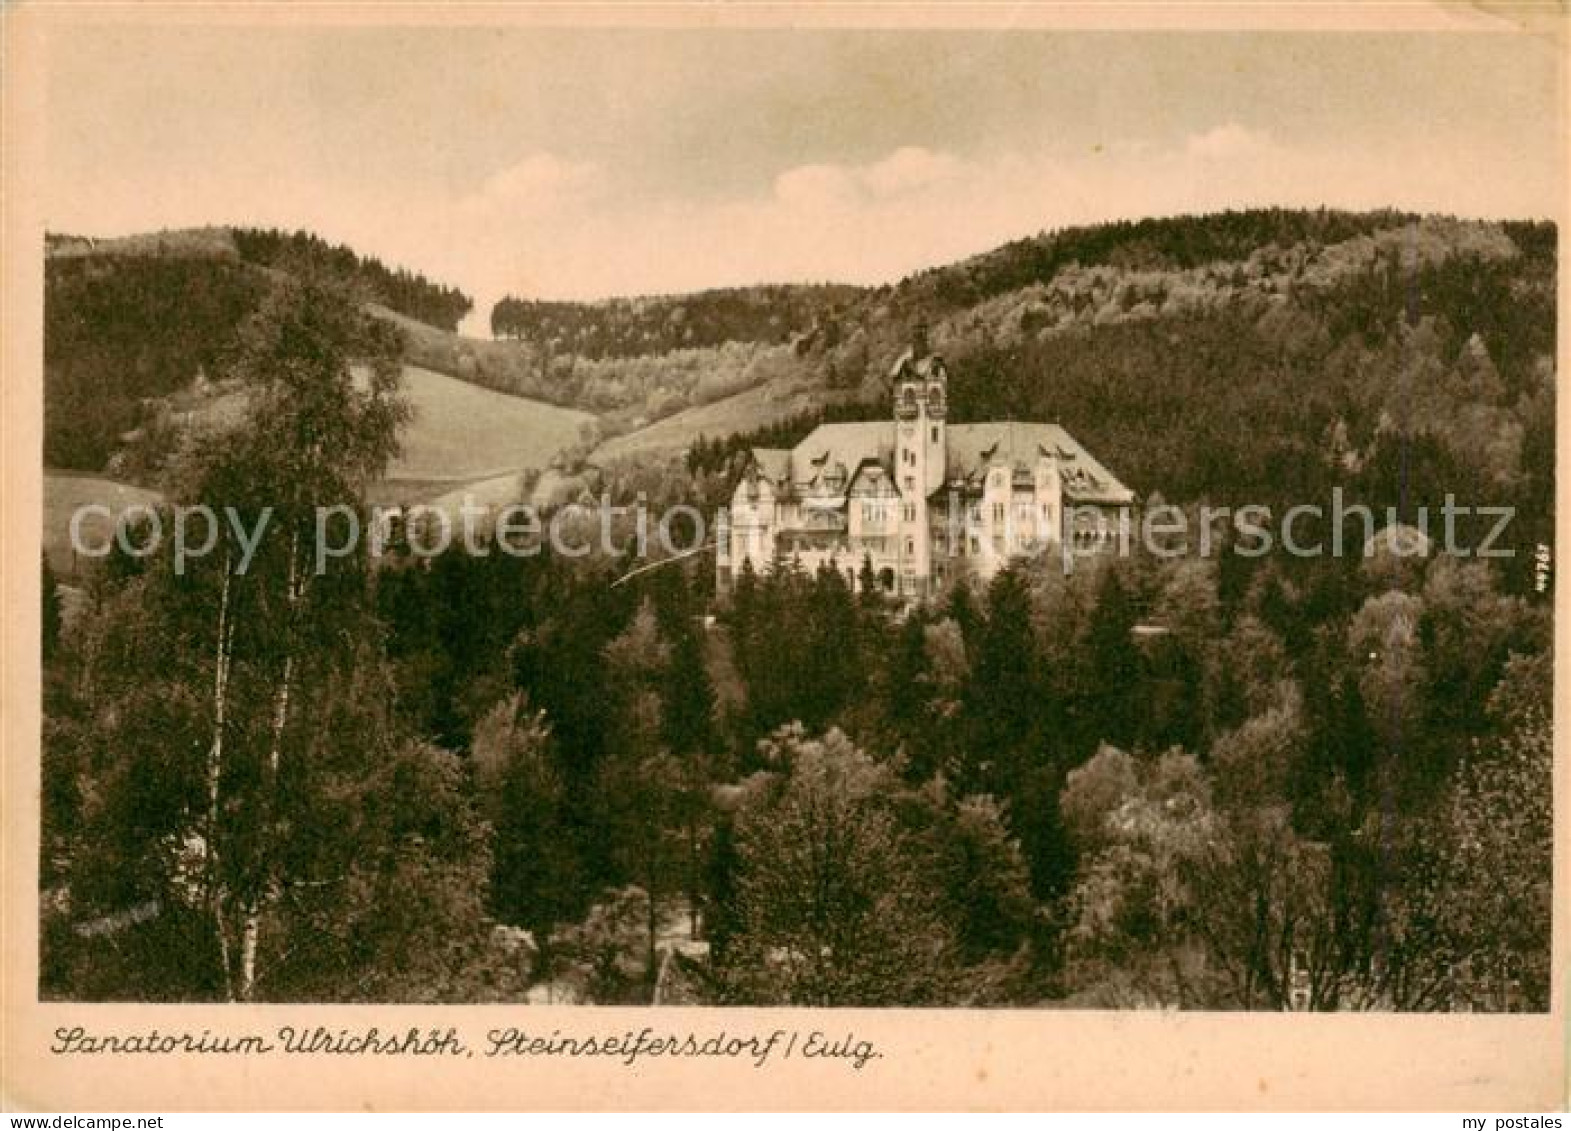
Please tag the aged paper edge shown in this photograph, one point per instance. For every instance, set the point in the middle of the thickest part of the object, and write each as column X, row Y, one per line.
column 953, row 1059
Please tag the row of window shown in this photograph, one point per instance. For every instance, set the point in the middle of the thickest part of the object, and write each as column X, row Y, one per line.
column 877, row 512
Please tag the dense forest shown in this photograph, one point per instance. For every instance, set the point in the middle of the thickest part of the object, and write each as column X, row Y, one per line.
column 1120, row 287
column 1159, row 243
column 1220, row 782
column 408, row 292
column 1399, row 386
column 815, row 315
column 122, row 333
column 626, row 327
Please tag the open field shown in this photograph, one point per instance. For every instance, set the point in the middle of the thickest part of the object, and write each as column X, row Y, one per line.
column 461, row 435
column 64, row 492
column 462, row 431
column 743, row 412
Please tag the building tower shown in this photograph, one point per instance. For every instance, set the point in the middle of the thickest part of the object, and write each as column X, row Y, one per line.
column 920, row 394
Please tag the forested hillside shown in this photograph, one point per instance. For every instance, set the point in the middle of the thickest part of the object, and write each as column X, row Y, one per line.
column 130, row 323
column 1399, row 364
column 1110, row 327
column 1128, row 300
column 133, row 328
column 624, row 327
column 1426, row 369
column 1172, row 778
column 407, row 292
column 122, row 332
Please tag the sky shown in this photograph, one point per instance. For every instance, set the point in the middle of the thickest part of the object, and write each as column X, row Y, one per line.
column 560, row 163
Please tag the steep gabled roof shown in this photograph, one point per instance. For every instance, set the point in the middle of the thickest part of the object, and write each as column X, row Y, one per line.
column 973, row 448
column 774, row 464
column 847, row 445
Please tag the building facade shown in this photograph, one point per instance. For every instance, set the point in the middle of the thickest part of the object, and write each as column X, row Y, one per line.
column 922, row 501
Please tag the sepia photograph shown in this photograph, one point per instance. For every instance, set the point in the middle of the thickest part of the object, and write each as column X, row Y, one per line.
column 1026, row 519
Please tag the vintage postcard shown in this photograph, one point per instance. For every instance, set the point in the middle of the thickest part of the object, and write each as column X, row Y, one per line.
column 782, row 556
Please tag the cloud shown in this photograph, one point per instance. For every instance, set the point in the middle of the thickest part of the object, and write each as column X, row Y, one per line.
column 911, row 168
column 1230, row 141
column 814, row 187
column 845, row 187
column 539, row 184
